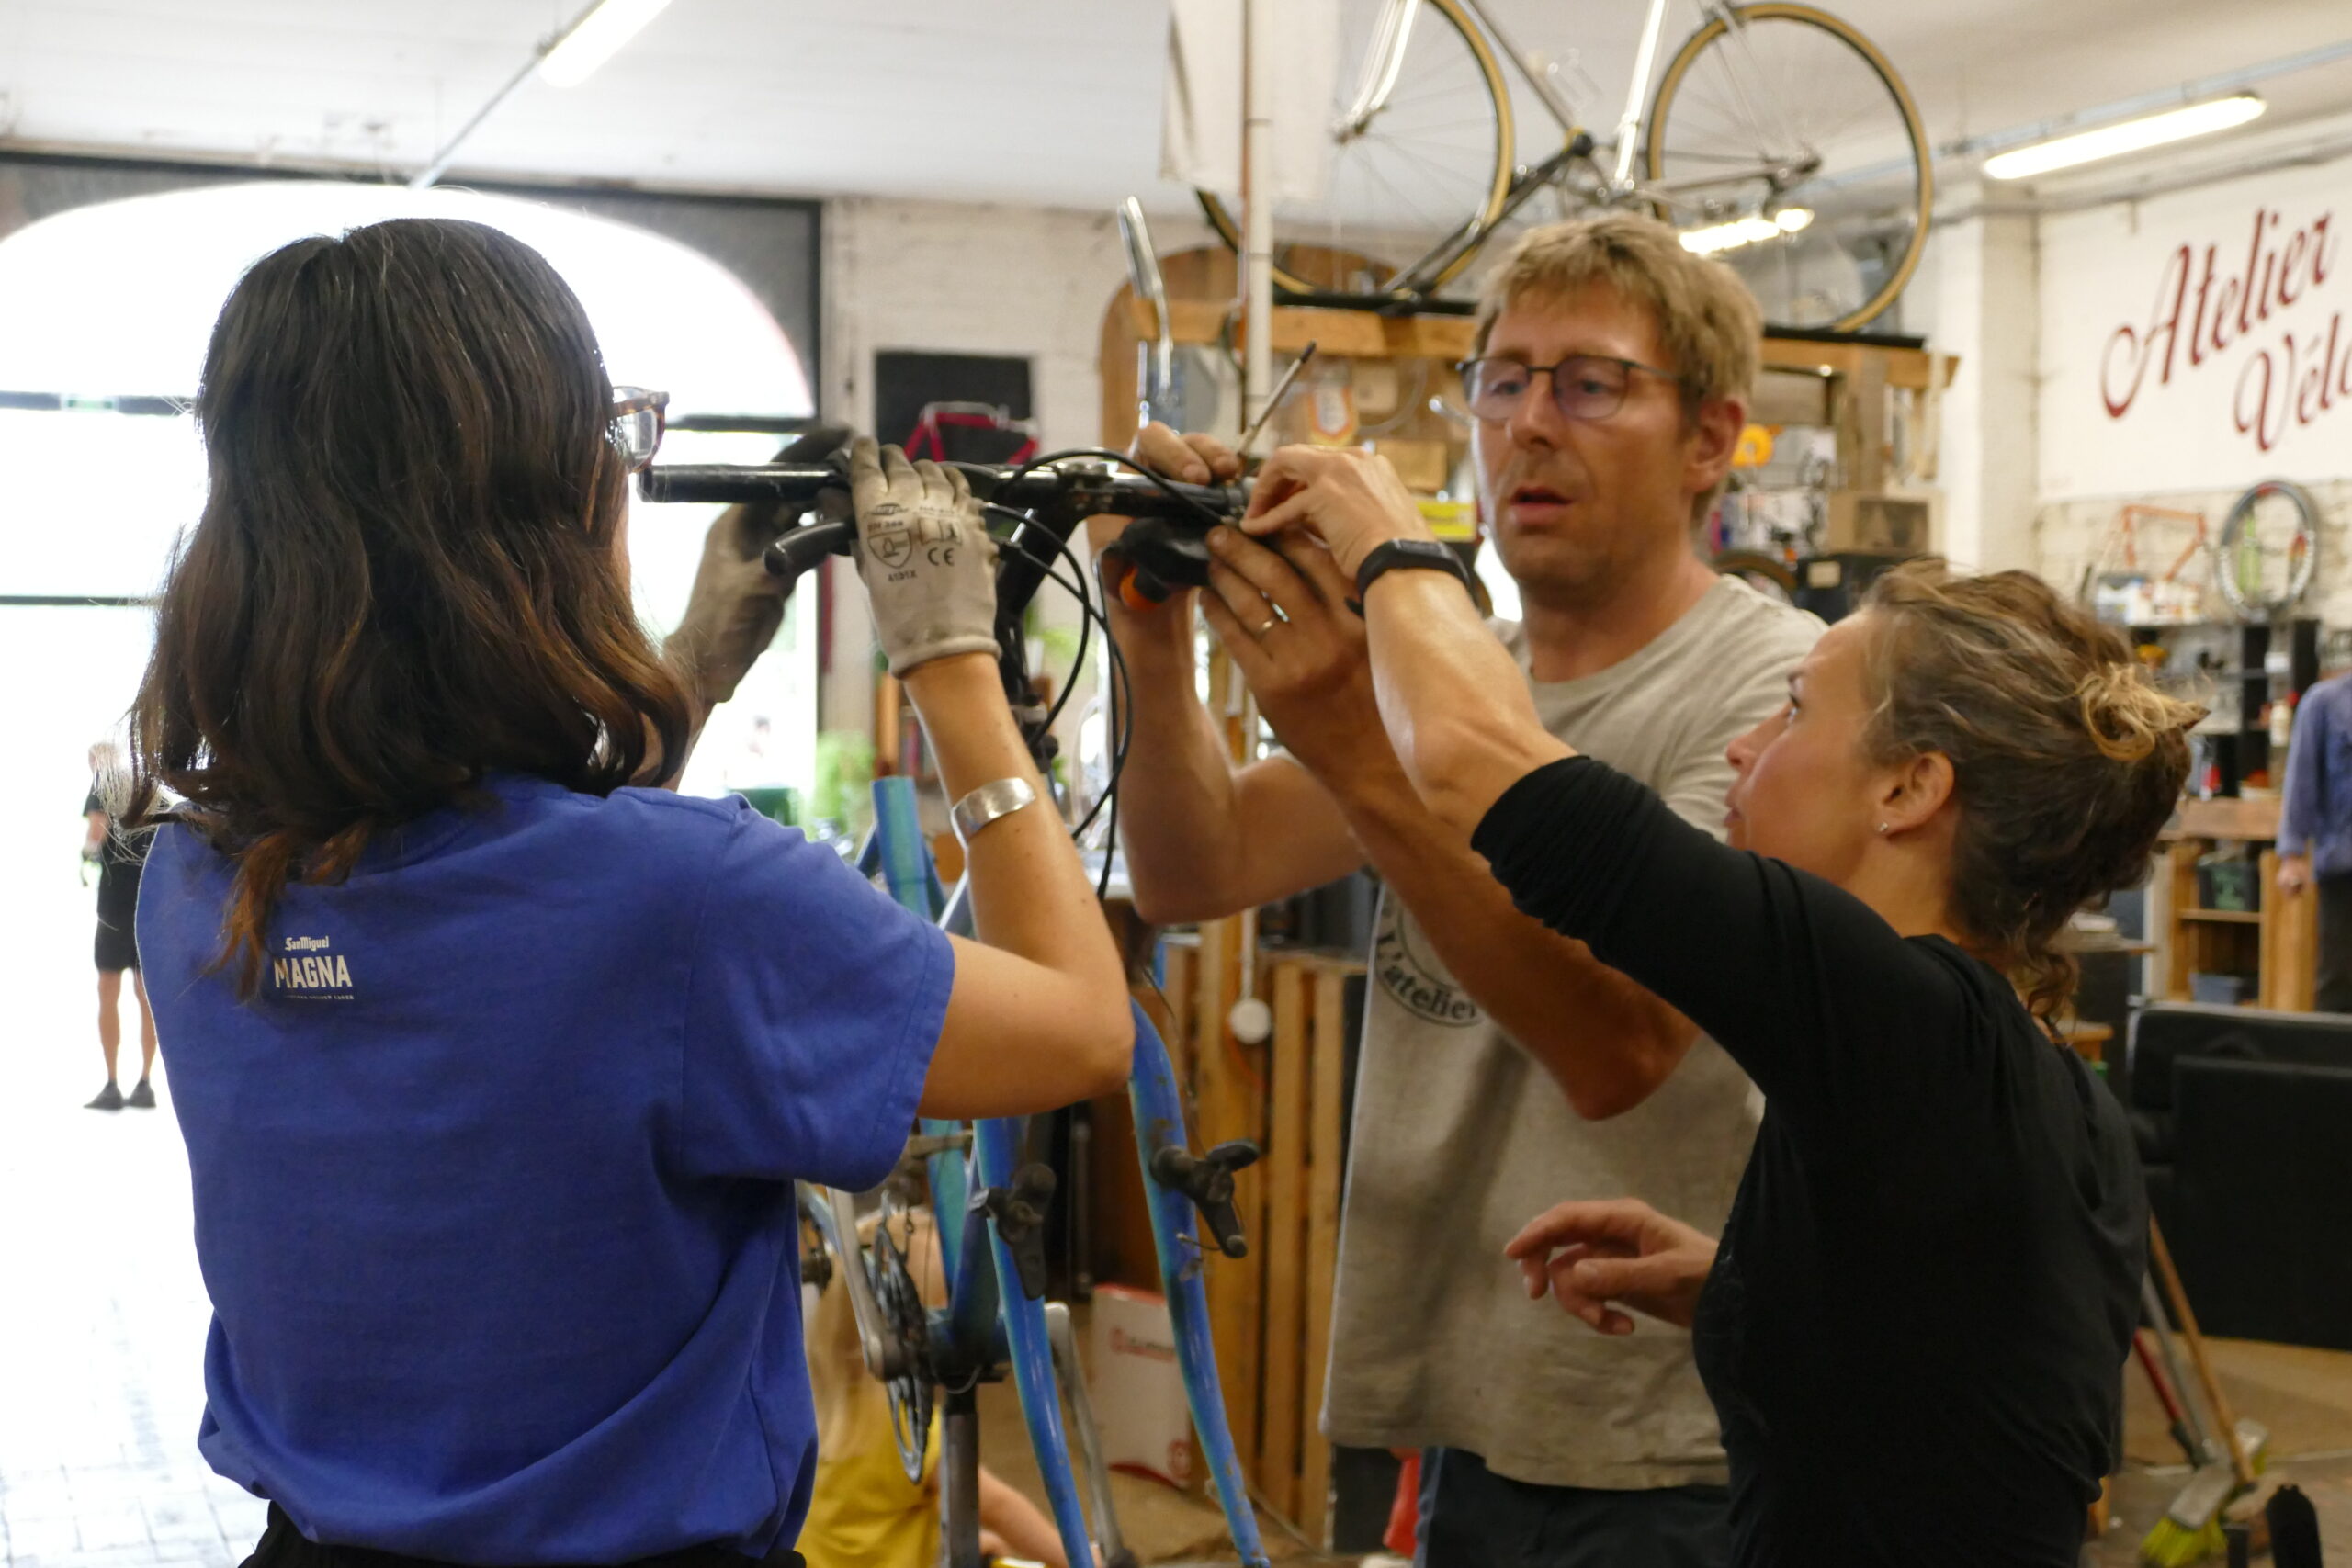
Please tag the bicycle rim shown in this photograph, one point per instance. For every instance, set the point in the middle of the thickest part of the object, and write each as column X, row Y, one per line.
column 2268, row 550
column 1768, row 575
column 1797, row 92
column 1437, row 156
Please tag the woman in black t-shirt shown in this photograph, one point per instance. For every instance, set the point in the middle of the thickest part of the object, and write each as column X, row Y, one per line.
column 1914, row 1326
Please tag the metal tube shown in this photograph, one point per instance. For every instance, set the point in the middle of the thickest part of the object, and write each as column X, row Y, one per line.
column 2146, row 103
column 1550, row 97
column 448, row 152
column 1637, row 96
column 1091, row 1467
column 959, row 1480
column 1258, row 205
column 1384, row 62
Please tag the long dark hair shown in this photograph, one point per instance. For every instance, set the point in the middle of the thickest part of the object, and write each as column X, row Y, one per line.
column 409, row 573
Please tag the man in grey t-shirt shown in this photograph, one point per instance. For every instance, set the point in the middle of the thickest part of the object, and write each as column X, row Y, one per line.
column 1503, row 1068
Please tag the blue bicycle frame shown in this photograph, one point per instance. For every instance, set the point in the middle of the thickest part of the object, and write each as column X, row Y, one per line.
column 991, row 1320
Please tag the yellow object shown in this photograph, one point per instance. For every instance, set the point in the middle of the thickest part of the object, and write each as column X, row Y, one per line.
column 2170, row 1545
column 863, row 1512
column 1451, row 519
column 1754, row 448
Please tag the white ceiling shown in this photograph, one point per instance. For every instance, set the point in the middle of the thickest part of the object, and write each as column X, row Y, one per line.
column 1054, row 102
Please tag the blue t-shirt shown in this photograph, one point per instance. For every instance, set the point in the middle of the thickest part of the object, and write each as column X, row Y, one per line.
column 492, row 1177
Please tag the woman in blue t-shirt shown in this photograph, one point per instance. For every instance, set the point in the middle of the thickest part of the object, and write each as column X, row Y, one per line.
column 497, row 1060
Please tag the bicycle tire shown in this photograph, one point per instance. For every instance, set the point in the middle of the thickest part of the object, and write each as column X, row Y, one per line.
column 1923, row 172
column 1769, row 574
column 2303, row 552
column 1228, row 227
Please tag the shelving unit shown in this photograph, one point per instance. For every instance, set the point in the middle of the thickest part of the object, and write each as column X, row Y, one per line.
column 2278, row 944
column 2239, row 742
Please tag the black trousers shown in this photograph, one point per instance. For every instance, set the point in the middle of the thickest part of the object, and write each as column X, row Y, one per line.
column 2335, row 988
column 1471, row 1517
column 283, row 1546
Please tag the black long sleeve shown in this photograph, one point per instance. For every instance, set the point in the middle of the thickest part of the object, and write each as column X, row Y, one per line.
column 1915, row 1327
column 1802, row 982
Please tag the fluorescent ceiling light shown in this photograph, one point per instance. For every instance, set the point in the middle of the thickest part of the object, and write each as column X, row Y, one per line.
column 1747, row 231
column 594, row 39
column 2132, row 136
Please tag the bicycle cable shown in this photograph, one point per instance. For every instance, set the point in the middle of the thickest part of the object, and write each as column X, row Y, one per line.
column 1121, row 734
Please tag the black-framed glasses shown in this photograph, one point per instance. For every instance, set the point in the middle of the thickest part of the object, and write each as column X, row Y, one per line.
column 1584, row 385
column 640, row 417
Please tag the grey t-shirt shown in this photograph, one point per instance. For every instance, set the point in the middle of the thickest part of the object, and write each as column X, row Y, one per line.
column 1460, row 1138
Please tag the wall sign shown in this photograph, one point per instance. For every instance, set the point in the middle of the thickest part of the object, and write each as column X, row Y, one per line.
column 2199, row 341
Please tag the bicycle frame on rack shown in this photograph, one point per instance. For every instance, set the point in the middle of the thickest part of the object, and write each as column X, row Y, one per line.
column 1385, row 62
column 996, row 1315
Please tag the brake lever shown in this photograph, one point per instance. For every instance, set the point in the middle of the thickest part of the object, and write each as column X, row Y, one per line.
column 800, row 548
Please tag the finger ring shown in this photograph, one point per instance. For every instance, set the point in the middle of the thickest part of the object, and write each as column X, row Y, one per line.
column 1271, row 622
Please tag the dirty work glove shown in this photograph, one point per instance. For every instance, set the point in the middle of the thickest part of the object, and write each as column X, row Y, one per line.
column 928, row 562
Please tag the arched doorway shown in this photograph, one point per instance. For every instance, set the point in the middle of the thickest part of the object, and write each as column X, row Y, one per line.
column 104, row 314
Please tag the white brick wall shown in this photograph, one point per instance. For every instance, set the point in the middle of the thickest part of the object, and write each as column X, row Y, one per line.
column 951, row 278
column 2067, row 533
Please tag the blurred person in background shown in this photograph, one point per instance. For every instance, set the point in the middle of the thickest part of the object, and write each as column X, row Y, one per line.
column 2316, row 829
column 863, row 1512
column 118, row 859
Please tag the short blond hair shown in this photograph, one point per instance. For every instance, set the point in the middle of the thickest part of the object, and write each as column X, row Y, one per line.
column 1706, row 318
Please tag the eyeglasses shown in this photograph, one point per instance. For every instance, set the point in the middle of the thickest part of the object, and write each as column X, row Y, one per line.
column 1584, row 385
column 639, row 419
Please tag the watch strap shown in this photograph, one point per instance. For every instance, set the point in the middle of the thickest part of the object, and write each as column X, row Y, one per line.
column 1427, row 554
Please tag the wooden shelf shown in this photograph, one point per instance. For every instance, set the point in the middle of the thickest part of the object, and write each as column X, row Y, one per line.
column 2281, row 938
column 2251, row 818
column 1368, row 334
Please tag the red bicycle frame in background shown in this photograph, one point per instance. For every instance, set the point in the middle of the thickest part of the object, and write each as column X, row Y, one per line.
column 929, row 438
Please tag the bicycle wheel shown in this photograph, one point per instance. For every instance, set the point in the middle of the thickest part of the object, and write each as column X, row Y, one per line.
column 2268, row 550
column 1434, row 160
column 1789, row 147
column 1768, row 574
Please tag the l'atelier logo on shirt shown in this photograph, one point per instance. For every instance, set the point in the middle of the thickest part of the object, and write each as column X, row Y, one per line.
column 1412, row 975
column 314, row 974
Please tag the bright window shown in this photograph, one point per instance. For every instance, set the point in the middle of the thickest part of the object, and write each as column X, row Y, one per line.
column 115, row 302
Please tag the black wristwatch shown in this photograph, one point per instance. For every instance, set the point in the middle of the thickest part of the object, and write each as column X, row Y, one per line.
column 1426, row 554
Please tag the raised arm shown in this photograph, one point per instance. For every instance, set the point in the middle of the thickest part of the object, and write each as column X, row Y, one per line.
column 1607, row 1042
column 1202, row 838
column 1788, row 973
column 1038, row 1014
column 1456, row 708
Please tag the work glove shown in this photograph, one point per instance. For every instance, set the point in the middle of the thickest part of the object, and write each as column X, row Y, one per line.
column 737, row 605
column 924, row 552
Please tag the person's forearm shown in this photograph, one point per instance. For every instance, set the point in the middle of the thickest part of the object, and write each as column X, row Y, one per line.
column 1178, row 823
column 1030, row 894
column 1019, row 1523
column 1606, row 1040
column 1456, row 706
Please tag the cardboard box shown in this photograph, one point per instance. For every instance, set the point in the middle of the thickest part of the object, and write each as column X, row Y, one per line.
column 1137, row 1388
column 1424, row 466
column 1893, row 522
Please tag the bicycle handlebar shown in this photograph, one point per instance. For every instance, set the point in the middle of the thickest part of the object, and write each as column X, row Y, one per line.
column 1164, row 550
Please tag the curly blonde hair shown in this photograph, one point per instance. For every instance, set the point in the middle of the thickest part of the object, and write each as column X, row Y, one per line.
column 2066, row 758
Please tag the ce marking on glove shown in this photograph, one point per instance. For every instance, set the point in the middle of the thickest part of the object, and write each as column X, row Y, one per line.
column 891, row 539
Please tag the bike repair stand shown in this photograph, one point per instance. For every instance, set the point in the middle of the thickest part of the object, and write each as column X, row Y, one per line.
column 997, row 1316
